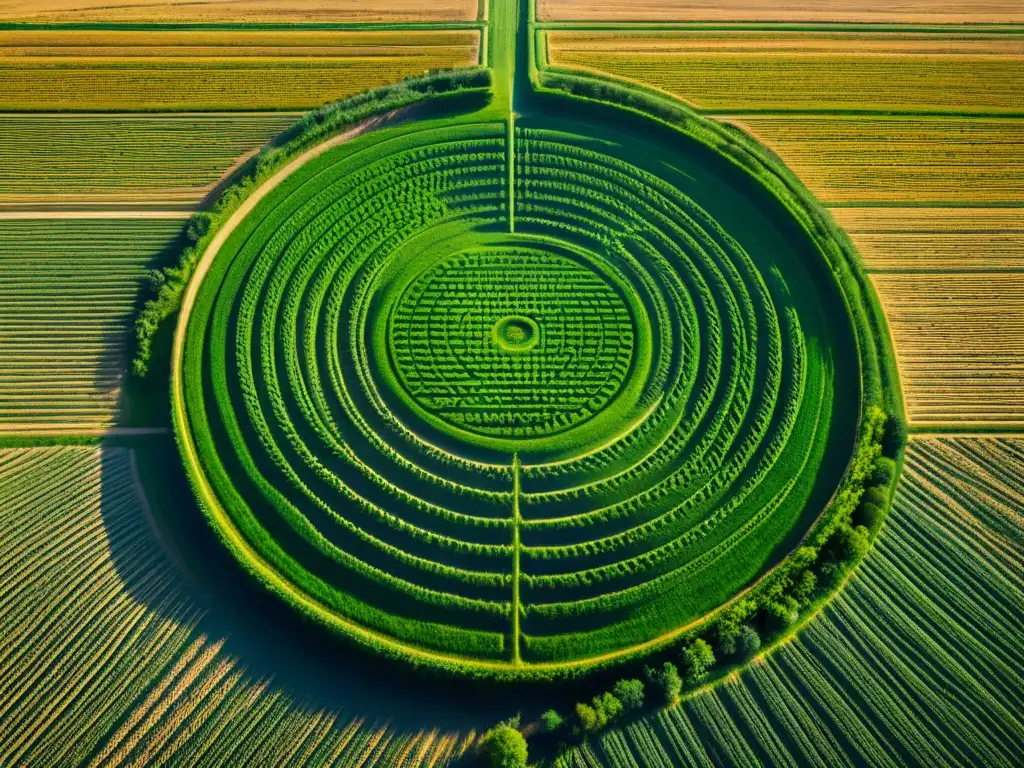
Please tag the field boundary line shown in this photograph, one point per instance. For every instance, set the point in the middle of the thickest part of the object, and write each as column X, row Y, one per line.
column 122, row 214
column 241, row 26
column 849, row 27
column 929, row 431
column 50, row 430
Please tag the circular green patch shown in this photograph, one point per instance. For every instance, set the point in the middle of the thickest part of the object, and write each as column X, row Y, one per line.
column 511, row 343
column 515, row 334
column 518, row 442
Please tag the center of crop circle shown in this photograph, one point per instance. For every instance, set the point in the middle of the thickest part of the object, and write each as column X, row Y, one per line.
column 510, row 342
column 516, row 334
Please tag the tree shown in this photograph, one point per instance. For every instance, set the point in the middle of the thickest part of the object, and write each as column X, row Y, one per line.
column 667, row 679
column 803, row 589
column 630, row 693
column 608, row 706
column 697, row 659
column 552, row 721
column 726, row 632
column 590, row 719
column 868, row 514
column 783, row 613
column 885, row 471
column 504, row 747
column 876, row 494
column 748, row 642
column 848, row 545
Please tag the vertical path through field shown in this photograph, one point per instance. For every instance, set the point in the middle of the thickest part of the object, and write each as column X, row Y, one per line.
column 508, row 45
column 504, row 19
column 516, row 658
column 512, row 172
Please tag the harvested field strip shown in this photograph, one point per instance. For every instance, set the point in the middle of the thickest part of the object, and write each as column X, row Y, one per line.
column 67, row 291
column 912, row 11
column 228, row 11
column 899, row 160
column 930, row 251
column 887, row 220
column 916, row 662
column 936, row 239
column 119, row 669
column 175, row 71
column 159, row 43
column 124, row 160
column 809, row 72
column 959, row 340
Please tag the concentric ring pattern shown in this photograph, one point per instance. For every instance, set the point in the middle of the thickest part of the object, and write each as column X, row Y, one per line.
column 517, row 439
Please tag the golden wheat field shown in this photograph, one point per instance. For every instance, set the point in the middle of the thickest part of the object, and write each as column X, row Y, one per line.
column 910, row 11
column 125, row 162
column 936, row 239
column 960, row 343
column 184, row 71
column 779, row 71
column 898, row 160
column 211, row 11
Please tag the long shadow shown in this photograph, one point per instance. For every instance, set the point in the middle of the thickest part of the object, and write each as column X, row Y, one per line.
column 270, row 640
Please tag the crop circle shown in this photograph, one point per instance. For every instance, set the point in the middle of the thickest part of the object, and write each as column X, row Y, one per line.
column 516, row 441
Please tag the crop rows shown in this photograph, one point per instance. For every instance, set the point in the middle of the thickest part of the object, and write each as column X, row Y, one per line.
column 175, row 71
column 894, row 160
column 959, row 339
column 67, row 292
column 936, row 239
column 233, row 11
column 109, row 659
column 347, row 390
column 917, row 662
column 913, row 11
column 805, row 71
column 170, row 161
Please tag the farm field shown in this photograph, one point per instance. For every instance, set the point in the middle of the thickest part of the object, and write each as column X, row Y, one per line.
column 825, row 11
column 891, row 160
column 906, row 240
column 586, row 513
column 116, row 70
column 128, row 664
column 909, row 666
column 387, row 384
column 750, row 71
column 124, row 162
column 68, row 290
column 960, row 340
column 233, row 11
column 954, row 534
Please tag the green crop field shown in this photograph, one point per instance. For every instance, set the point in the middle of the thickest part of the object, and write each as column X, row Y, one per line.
column 637, row 390
column 165, row 162
column 67, row 295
